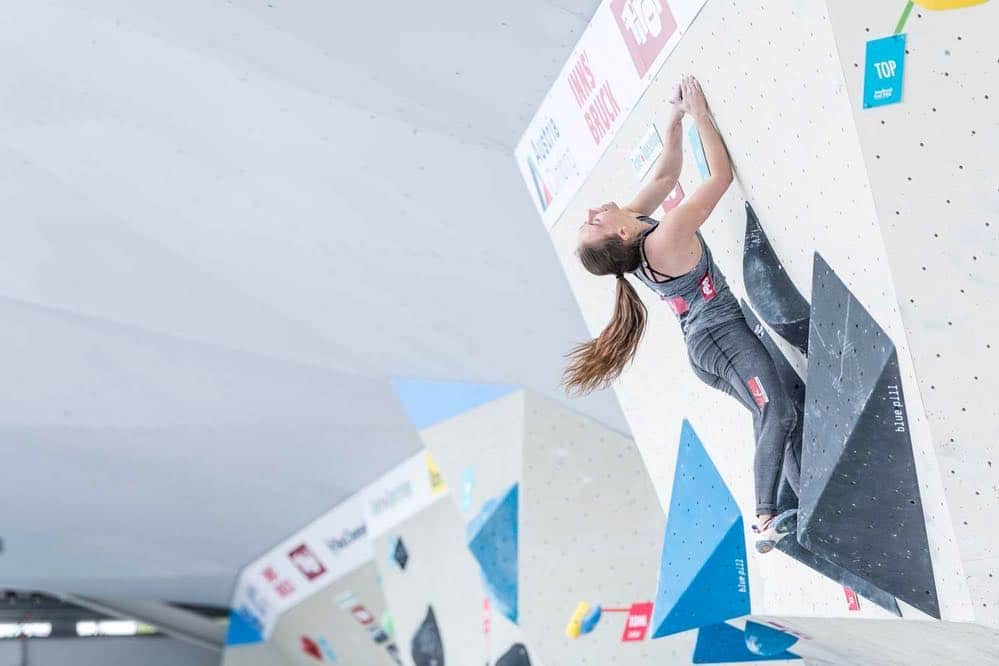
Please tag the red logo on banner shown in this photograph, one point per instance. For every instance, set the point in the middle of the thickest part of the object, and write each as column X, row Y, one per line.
column 282, row 586
column 674, row 198
column 596, row 99
column 637, row 624
column 646, row 26
column 852, row 600
column 757, row 391
column 677, row 304
column 708, row 287
column 306, row 562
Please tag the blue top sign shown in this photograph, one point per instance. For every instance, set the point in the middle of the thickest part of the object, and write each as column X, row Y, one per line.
column 883, row 69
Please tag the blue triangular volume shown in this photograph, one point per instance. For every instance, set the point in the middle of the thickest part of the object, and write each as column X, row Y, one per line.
column 766, row 641
column 723, row 644
column 430, row 402
column 492, row 538
column 702, row 577
column 242, row 630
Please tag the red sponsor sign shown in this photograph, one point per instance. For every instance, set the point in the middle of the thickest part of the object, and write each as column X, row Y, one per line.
column 674, row 198
column 637, row 624
column 646, row 26
column 708, row 287
column 852, row 600
column 306, row 562
column 282, row 586
column 595, row 98
column 758, row 392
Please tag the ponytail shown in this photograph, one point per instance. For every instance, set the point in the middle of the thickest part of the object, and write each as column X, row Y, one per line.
column 595, row 364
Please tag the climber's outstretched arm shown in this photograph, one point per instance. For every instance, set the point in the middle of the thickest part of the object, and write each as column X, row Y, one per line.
column 684, row 220
column 667, row 168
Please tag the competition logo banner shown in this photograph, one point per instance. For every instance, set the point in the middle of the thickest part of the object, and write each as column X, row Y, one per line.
column 335, row 544
column 620, row 52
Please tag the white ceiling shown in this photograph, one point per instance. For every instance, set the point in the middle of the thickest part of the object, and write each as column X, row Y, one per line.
column 226, row 225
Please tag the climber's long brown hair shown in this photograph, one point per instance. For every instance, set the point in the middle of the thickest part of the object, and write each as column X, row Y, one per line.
column 596, row 363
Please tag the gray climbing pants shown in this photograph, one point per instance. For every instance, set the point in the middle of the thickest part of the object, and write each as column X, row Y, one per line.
column 730, row 358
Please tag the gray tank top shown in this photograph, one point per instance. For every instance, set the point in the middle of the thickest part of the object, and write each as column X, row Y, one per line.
column 700, row 298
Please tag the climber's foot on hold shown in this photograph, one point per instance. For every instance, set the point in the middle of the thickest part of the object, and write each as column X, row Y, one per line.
column 773, row 530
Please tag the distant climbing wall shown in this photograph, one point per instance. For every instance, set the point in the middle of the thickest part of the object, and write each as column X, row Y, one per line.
column 931, row 162
column 344, row 623
column 591, row 529
column 438, row 580
column 474, row 433
column 773, row 80
column 257, row 654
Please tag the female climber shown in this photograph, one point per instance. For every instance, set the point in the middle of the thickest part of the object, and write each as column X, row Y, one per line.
column 671, row 258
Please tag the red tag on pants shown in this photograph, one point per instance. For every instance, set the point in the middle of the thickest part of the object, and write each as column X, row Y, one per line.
column 759, row 393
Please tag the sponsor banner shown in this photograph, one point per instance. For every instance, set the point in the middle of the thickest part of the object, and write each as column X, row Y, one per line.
column 644, row 155
column 610, row 68
column 398, row 494
column 335, row 544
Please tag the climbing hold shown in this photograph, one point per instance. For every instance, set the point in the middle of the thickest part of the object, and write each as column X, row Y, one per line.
column 492, row 538
column 766, row 641
column 724, row 644
column 860, row 505
column 590, row 620
column 702, row 576
column 388, row 624
column 427, row 647
column 948, row 4
column 399, row 554
column 515, row 656
column 574, row 628
column 769, row 287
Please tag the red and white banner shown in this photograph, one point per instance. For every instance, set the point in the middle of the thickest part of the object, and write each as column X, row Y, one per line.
column 620, row 52
column 335, row 544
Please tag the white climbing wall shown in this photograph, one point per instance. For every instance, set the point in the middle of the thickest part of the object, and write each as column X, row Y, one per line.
column 591, row 530
column 773, row 79
column 478, row 453
column 441, row 573
column 932, row 166
column 327, row 619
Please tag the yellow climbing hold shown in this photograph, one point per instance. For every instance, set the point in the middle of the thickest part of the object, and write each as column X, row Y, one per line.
column 575, row 622
column 948, row 4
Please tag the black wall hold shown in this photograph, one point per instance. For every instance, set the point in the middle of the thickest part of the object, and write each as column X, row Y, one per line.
column 786, row 498
column 515, row 656
column 860, row 506
column 770, row 288
column 427, row 648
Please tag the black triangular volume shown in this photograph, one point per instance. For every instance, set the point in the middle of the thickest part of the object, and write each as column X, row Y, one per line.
column 515, row 656
column 794, row 386
column 427, row 648
column 860, row 505
column 770, row 288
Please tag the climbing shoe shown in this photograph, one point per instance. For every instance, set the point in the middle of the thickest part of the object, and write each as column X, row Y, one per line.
column 771, row 532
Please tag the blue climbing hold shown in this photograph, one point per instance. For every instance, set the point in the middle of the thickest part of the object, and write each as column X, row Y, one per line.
column 590, row 620
column 724, row 644
column 431, row 402
column 766, row 641
column 492, row 538
column 702, row 577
